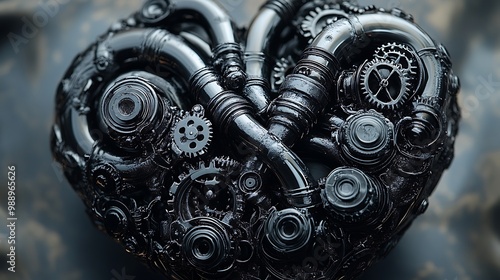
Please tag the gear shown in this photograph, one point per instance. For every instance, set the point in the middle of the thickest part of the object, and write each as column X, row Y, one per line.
column 192, row 135
column 318, row 19
column 384, row 83
column 208, row 190
column 105, row 177
column 400, row 54
column 281, row 69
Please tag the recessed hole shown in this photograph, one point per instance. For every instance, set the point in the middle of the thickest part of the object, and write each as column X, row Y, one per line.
column 126, row 106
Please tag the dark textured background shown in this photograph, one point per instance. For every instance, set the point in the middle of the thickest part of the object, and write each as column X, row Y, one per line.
column 458, row 238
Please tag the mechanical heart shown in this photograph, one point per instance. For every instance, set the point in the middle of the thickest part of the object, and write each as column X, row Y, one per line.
column 301, row 147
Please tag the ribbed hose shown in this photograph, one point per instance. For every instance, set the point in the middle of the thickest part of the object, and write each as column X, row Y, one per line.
column 232, row 114
column 303, row 95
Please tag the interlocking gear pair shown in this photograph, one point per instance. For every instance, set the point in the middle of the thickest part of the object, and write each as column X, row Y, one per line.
column 300, row 148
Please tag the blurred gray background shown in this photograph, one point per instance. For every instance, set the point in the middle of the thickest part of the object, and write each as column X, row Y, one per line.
column 458, row 238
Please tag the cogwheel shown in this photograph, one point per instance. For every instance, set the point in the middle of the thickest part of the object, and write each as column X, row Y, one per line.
column 280, row 71
column 226, row 163
column 384, row 83
column 400, row 54
column 105, row 177
column 208, row 190
column 191, row 135
column 318, row 19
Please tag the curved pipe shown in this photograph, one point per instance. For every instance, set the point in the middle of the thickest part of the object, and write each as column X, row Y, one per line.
column 232, row 113
column 356, row 30
column 323, row 148
column 227, row 52
column 229, row 111
column 297, row 108
column 266, row 25
column 352, row 33
column 95, row 68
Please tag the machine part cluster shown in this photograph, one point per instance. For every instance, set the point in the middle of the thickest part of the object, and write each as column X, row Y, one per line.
column 301, row 147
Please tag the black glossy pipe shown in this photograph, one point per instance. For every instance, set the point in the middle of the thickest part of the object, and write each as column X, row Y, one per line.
column 227, row 52
column 322, row 148
column 229, row 110
column 261, row 36
column 232, row 113
column 291, row 117
column 83, row 138
column 356, row 29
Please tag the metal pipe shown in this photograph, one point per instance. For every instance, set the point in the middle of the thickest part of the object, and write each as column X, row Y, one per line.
column 229, row 111
column 307, row 91
column 227, row 53
column 266, row 25
column 356, row 31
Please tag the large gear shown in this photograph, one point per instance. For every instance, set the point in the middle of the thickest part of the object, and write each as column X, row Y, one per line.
column 208, row 190
column 384, row 83
column 192, row 135
column 318, row 19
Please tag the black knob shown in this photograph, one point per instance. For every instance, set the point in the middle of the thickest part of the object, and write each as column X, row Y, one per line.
column 351, row 196
column 129, row 107
column 287, row 233
column 205, row 247
column 115, row 221
column 366, row 139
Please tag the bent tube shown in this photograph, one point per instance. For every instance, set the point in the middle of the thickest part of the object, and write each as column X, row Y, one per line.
column 353, row 32
column 266, row 25
column 227, row 52
column 229, row 111
column 356, row 30
column 322, row 60
column 232, row 113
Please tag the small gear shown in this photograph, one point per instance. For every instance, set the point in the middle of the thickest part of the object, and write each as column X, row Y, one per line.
column 281, row 69
column 400, row 54
column 384, row 83
column 105, row 177
column 191, row 135
column 318, row 19
column 208, row 190
column 226, row 163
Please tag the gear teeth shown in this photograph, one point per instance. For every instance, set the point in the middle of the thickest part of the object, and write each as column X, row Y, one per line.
column 318, row 19
column 190, row 195
column 280, row 69
column 225, row 162
column 105, row 176
column 191, row 134
column 396, row 52
column 374, row 97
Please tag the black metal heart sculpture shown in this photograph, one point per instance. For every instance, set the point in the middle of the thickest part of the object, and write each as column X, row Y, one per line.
column 303, row 151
